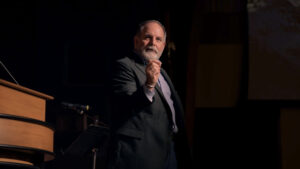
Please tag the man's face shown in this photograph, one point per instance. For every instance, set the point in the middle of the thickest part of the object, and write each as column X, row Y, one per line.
column 150, row 42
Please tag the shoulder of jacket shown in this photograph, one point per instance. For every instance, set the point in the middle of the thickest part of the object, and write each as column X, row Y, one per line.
column 126, row 61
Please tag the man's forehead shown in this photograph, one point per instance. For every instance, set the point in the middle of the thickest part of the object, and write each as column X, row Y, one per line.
column 149, row 29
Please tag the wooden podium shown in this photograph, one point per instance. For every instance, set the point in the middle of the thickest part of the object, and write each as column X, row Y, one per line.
column 26, row 140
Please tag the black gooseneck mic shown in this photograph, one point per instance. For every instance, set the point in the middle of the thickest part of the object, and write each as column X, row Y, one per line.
column 77, row 107
column 9, row 73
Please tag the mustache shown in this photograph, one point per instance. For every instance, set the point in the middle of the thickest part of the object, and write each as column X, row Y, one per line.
column 151, row 48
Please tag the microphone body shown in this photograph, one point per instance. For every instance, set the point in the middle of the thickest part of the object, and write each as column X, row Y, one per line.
column 77, row 107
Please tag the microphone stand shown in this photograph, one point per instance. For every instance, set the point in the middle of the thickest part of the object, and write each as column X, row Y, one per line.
column 91, row 131
column 96, row 121
column 85, row 117
column 94, row 150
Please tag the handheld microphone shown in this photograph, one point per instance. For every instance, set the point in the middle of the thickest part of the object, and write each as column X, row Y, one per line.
column 9, row 72
column 77, row 107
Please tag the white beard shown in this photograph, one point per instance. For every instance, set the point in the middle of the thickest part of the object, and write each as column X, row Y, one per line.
column 149, row 54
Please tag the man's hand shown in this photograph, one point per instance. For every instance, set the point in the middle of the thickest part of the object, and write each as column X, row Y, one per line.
column 152, row 73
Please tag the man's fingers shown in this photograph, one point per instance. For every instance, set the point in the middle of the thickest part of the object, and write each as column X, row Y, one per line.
column 153, row 71
column 154, row 67
column 155, row 62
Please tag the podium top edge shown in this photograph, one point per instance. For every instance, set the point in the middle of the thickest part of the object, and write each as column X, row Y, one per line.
column 25, row 89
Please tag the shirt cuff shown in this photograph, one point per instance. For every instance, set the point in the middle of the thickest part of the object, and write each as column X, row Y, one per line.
column 149, row 93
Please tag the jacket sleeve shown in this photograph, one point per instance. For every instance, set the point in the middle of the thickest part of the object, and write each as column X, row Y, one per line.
column 128, row 95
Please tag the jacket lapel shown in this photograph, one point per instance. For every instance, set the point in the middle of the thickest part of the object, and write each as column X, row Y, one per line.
column 175, row 97
column 167, row 78
column 177, row 103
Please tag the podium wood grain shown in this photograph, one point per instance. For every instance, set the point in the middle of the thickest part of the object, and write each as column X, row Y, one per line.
column 24, row 134
column 25, row 137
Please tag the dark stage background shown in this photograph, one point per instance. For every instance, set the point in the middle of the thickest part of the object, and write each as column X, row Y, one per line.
column 66, row 49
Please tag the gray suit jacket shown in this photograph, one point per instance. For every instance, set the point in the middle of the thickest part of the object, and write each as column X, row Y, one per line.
column 142, row 132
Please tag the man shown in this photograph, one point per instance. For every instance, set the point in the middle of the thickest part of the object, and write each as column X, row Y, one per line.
column 147, row 118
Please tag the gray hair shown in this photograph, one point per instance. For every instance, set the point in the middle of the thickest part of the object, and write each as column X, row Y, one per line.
column 142, row 25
